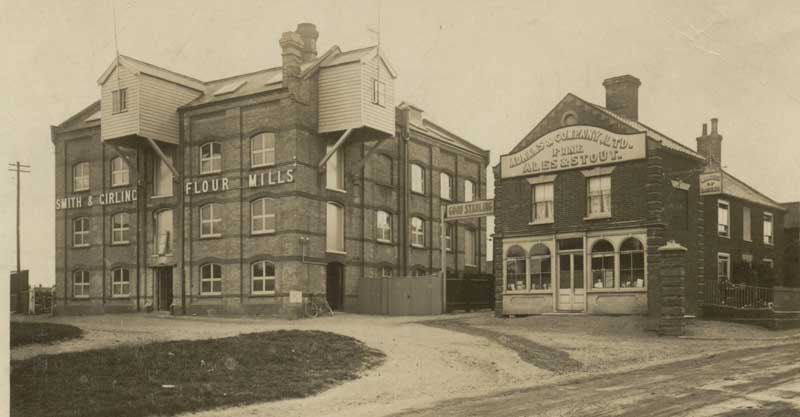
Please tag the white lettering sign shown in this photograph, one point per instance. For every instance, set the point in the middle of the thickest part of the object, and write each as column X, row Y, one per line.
column 711, row 183
column 480, row 208
column 102, row 199
column 261, row 179
column 573, row 147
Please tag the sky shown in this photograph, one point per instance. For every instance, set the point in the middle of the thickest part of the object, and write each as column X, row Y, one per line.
column 487, row 70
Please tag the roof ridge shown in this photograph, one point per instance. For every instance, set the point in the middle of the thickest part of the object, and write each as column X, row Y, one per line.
column 139, row 61
column 242, row 75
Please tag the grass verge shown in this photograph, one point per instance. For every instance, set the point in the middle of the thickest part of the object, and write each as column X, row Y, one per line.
column 23, row 333
column 172, row 377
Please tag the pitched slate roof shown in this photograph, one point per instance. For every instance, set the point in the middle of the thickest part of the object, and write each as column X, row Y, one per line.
column 137, row 66
column 659, row 137
column 737, row 188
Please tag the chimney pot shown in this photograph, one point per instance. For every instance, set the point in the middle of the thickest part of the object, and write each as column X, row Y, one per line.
column 309, row 34
column 714, row 125
column 705, row 129
column 622, row 95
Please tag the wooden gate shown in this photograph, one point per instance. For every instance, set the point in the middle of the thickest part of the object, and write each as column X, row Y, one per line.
column 400, row 296
column 469, row 292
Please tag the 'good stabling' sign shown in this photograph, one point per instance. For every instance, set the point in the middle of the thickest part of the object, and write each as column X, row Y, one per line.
column 480, row 208
column 573, row 147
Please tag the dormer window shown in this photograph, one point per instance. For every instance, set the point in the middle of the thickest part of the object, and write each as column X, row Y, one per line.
column 119, row 100
column 378, row 93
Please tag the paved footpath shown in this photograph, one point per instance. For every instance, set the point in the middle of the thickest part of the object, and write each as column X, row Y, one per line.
column 757, row 382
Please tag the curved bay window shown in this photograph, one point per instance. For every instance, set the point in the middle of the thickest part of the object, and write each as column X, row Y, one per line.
column 540, row 262
column 631, row 264
column 602, row 265
column 516, row 269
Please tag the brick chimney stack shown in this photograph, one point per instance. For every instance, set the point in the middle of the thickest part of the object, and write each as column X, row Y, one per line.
column 308, row 32
column 292, row 53
column 710, row 146
column 622, row 96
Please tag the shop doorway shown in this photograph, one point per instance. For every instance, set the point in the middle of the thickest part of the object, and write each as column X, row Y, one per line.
column 571, row 287
column 334, row 285
column 163, row 294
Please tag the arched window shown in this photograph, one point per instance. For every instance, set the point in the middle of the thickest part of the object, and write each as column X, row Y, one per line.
column 80, row 176
column 417, row 179
column 119, row 172
column 164, row 232
column 516, row 269
column 262, row 275
column 211, row 220
column 446, row 186
column 120, row 282
column 262, row 216
column 80, row 284
column 120, row 228
column 631, row 264
column 162, row 176
column 334, row 170
column 335, row 227
column 210, row 279
column 210, row 158
column 602, row 265
column 262, row 150
column 80, row 232
column 417, row 232
column 384, row 226
column 469, row 190
column 540, row 262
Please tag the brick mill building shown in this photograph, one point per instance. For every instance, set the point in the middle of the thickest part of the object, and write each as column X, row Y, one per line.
column 227, row 196
column 585, row 200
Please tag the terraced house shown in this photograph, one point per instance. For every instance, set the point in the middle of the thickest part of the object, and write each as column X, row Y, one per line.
column 585, row 200
column 233, row 195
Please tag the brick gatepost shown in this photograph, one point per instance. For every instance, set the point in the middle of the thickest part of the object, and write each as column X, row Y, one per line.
column 672, row 282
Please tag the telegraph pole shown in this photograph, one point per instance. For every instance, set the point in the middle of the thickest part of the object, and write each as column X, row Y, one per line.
column 19, row 168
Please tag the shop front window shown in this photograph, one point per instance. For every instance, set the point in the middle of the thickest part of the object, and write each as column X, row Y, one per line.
column 602, row 265
column 516, row 270
column 540, row 262
column 631, row 264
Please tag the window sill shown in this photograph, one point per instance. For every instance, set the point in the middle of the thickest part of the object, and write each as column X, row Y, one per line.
column 262, row 166
column 266, row 294
column 725, row 236
column 265, row 232
column 119, row 112
column 337, row 190
column 82, row 190
column 211, row 295
column 121, row 297
column 161, row 196
column 335, row 252
column 218, row 236
column 125, row 243
column 384, row 242
column 162, row 255
column 80, row 297
column 81, row 246
column 417, row 246
column 203, row 174
column 418, row 193
column 120, row 185
column 545, row 221
column 597, row 216
column 748, row 240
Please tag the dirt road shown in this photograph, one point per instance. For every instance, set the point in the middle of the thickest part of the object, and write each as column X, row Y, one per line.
column 758, row 382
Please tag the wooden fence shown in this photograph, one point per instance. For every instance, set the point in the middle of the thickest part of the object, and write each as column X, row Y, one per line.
column 400, row 296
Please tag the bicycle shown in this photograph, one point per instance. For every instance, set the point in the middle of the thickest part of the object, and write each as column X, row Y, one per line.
column 316, row 304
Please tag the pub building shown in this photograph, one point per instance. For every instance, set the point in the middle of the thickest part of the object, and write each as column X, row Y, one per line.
column 584, row 201
column 237, row 195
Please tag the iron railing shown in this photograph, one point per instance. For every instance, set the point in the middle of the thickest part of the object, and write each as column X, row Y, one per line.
column 725, row 293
